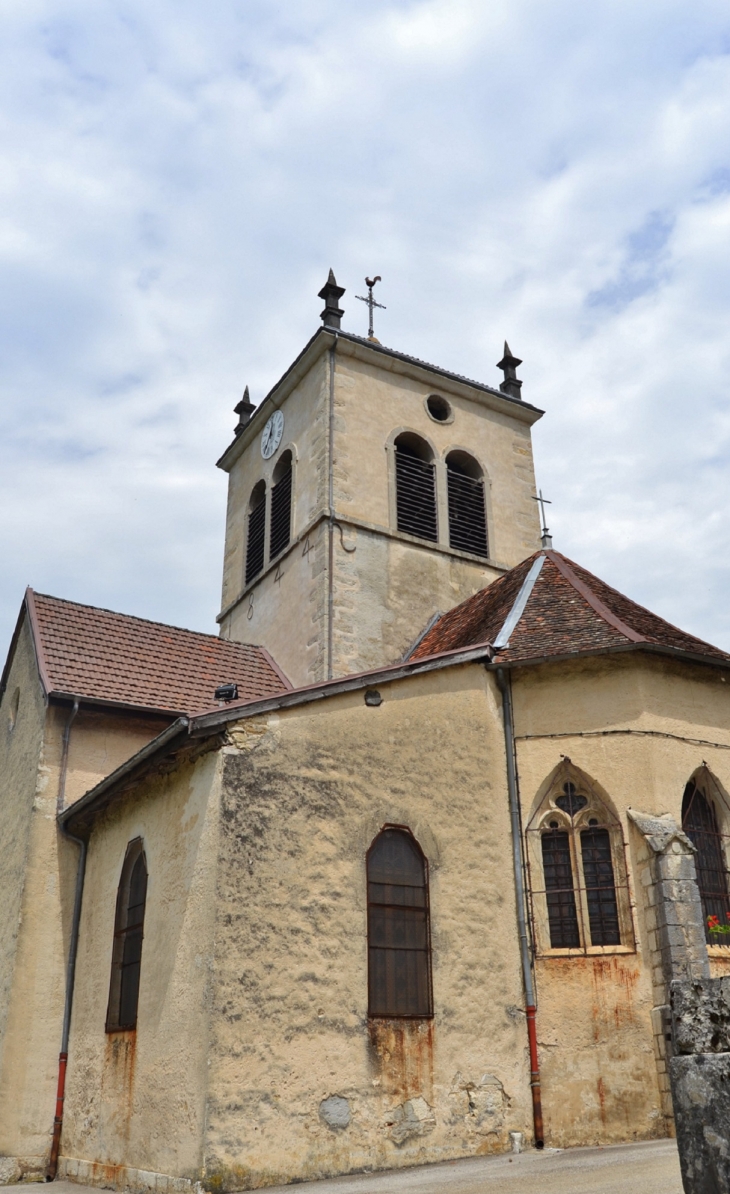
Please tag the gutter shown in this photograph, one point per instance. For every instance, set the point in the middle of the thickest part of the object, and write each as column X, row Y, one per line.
column 518, row 866
column 52, row 1169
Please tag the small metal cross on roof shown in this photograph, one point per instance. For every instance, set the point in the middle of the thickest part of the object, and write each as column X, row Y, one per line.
column 370, row 282
column 547, row 539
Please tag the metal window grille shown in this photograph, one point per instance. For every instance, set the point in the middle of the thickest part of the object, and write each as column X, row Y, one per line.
column 467, row 513
column 399, row 946
column 699, row 821
column 128, row 936
column 562, row 916
column 415, row 483
column 600, row 887
column 580, row 853
column 256, row 539
column 280, row 514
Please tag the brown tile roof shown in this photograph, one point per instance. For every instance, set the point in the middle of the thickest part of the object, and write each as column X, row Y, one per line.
column 105, row 656
column 569, row 611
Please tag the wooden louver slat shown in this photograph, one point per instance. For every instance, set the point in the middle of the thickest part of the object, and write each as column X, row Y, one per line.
column 416, row 496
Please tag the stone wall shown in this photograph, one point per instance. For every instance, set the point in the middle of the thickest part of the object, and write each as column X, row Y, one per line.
column 700, row 1078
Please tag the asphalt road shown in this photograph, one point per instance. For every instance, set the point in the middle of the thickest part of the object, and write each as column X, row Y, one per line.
column 651, row 1167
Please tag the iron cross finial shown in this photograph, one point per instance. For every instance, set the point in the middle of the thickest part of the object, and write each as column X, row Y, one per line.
column 546, row 538
column 370, row 282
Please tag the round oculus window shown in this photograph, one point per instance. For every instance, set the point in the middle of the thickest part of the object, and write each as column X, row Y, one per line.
column 439, row 409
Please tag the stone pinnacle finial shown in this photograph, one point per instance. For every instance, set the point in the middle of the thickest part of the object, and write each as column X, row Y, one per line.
column 244, row 409
column 331, row 293
column 511, row 384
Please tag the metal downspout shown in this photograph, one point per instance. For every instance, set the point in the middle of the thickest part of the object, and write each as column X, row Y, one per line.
column 72, row 951
column 517, row 861
column 331, row 524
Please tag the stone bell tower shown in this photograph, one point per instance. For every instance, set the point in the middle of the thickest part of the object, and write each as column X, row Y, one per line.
column 368, row 492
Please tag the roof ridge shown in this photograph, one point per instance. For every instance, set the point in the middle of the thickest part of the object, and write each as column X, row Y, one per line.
column 102, row 609
column 645, row 609
column 593, row 600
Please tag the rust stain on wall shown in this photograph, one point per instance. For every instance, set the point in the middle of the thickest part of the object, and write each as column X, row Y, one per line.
column 120, row 1063
column 402, row 1055
column 614, row 985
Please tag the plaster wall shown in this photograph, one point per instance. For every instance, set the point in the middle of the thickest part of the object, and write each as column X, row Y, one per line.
column 600, row 1079
column 386, row 584
column 137, row 1098
column 306, row 430
column 99, row 742
column 374, row 402
column 22, row 713
column 305, row 792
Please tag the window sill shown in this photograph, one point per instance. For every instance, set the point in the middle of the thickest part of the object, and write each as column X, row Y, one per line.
column 592, row 951
column 719, row 951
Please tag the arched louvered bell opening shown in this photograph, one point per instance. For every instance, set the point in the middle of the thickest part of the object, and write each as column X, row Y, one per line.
column 415, row 484
column 255, row 542
column 281, row 495
column 467, row 509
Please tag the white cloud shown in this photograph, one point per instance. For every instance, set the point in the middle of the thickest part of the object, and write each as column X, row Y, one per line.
column 176, row 180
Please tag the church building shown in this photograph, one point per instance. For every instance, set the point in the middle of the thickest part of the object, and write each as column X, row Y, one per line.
column 395, row 869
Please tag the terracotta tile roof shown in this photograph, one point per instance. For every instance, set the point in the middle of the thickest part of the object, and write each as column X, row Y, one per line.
column 568, row 611
column 105, row 656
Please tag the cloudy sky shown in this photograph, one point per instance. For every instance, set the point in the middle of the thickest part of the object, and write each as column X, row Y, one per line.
column 178, row 177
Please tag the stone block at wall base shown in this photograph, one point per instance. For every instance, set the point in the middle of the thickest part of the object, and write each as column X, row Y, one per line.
column 121, row 1177
column 701, row 1095
column 22, row 1169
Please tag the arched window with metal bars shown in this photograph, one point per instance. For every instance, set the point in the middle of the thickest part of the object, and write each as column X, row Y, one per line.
column 577, row 868
column 701, row 821
column 281, row 504
column 467, row 509
column 415, row 487
column 256, row 531
column 128, row 935
column 399, row 938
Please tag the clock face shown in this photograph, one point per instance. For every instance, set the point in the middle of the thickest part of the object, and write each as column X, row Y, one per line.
column 271, row 434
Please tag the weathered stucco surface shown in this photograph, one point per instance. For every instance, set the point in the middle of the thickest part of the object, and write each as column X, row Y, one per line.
column 387, row 585
column 304, row 794
column 38, row 878
column 22, row 714
column 138, row 1098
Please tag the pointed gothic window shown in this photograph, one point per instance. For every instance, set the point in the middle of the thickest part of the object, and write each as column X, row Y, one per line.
column 128, row 934
column 467, row 510
column 700, row 823
column 578, row 882
column 281, row 490
column 415, row 487
column 256, row 539
column 399, row 944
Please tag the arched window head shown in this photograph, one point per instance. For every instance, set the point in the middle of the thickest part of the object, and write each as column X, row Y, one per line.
column 415, row 487
column 578, row 881
column 256, row 532
column 128, row 934
column 281, row 490
column 399, row 941
column 467, row 509
column 704, row 811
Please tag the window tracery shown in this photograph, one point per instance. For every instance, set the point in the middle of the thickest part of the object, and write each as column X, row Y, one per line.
column 577, row 869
